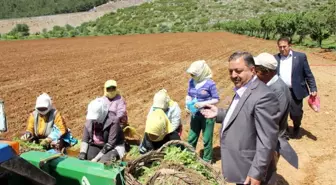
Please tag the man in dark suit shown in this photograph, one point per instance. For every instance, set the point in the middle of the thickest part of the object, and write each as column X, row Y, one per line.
column 294, row 70
column 249, row 133
column 266, row 66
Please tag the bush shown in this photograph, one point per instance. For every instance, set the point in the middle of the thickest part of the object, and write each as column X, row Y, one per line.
column 73, row 33
column 45, row 33
column 58, row 32
column 20, row 30
column 10, row 37
column 163, row 28
column 69, row 27
column 203, row 20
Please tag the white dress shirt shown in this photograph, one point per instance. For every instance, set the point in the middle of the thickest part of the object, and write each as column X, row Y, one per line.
column 238, row 95
column 273, row 80
column 286, row 68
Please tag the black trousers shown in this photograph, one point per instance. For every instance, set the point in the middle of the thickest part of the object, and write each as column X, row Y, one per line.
column 295, row 110
column 93, row 150
column 148, row 145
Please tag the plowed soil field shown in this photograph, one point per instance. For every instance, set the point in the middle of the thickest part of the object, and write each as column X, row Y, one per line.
column 73, row 72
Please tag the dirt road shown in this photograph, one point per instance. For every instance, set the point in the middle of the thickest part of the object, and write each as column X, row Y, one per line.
column 73, row 72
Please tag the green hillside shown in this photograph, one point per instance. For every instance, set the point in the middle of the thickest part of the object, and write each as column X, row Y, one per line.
column 29, row 8
column 302, row 20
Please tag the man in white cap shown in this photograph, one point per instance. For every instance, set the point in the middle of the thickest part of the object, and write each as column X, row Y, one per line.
column 42, row 122
column 266, row 69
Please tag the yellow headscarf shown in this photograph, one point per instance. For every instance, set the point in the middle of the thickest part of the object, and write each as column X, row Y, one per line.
column 200, row 70
column 158, row 124
column 111, row 83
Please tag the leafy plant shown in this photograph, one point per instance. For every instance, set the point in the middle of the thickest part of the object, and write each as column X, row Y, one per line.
column 27, row 146
column 20, row 30
column 175, row 155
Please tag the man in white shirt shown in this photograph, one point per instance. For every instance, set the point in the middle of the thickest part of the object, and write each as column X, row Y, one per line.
column 249, row 134
column 294, row 70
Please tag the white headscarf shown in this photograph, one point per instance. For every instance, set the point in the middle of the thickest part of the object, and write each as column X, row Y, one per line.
column 43, row 101
column 161, row 99
column 200, row 70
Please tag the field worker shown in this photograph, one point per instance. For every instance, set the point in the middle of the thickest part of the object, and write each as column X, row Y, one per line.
column 103, row 139
column 45, row 123
column 162, row 101
column 115, row 102
column 158, row 131
column 266, row 66
column 203, row 89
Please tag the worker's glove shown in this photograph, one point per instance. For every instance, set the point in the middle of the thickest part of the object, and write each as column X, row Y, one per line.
column 145, row 146
column 98, row 157
column 82, row 156
column 107, row 147
column 45, row 143
column 114, row 155
column 95, row 159
column 142, row 150
column 84, row 147
column 26, row 136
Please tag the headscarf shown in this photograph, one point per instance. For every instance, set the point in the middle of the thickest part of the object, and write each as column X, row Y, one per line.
column 110, row 83
column 158, row 124
column 161, row 99
column 43, row 101
column 97, row 110
column 200, row 70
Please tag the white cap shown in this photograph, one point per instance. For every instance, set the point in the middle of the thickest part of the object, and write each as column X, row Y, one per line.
column 43, row 101
column 267, row 60
column 96, row 110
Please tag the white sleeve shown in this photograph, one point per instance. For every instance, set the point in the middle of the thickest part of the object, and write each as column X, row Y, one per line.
column 175, row 116
column 188, row 99
column 150, row 111
column 211, row 102
column 208, row 102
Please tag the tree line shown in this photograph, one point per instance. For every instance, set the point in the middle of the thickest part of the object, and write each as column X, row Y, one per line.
column 318, row 24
